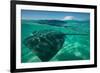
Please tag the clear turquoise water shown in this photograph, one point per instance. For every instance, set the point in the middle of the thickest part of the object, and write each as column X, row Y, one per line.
column 75, row 47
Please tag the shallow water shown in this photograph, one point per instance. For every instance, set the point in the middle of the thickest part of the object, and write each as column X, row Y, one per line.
column 75, row 47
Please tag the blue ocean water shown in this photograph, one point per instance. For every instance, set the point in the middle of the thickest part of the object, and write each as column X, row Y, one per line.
column 75, row 47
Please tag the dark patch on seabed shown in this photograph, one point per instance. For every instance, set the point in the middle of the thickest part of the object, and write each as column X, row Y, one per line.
column 41, row 41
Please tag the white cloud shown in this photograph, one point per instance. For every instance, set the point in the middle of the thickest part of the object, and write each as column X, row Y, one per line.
column 68, row 18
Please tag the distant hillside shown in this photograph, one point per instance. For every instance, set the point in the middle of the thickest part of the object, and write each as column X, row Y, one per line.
column 51, row 22
column 56, row 22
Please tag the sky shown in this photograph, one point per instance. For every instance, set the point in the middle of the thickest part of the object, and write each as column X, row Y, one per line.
column 53, row 15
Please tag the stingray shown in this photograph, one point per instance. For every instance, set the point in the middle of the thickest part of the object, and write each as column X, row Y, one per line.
column 45, row 43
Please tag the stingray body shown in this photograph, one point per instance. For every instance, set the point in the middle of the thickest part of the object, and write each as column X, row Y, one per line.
column 45, row 43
